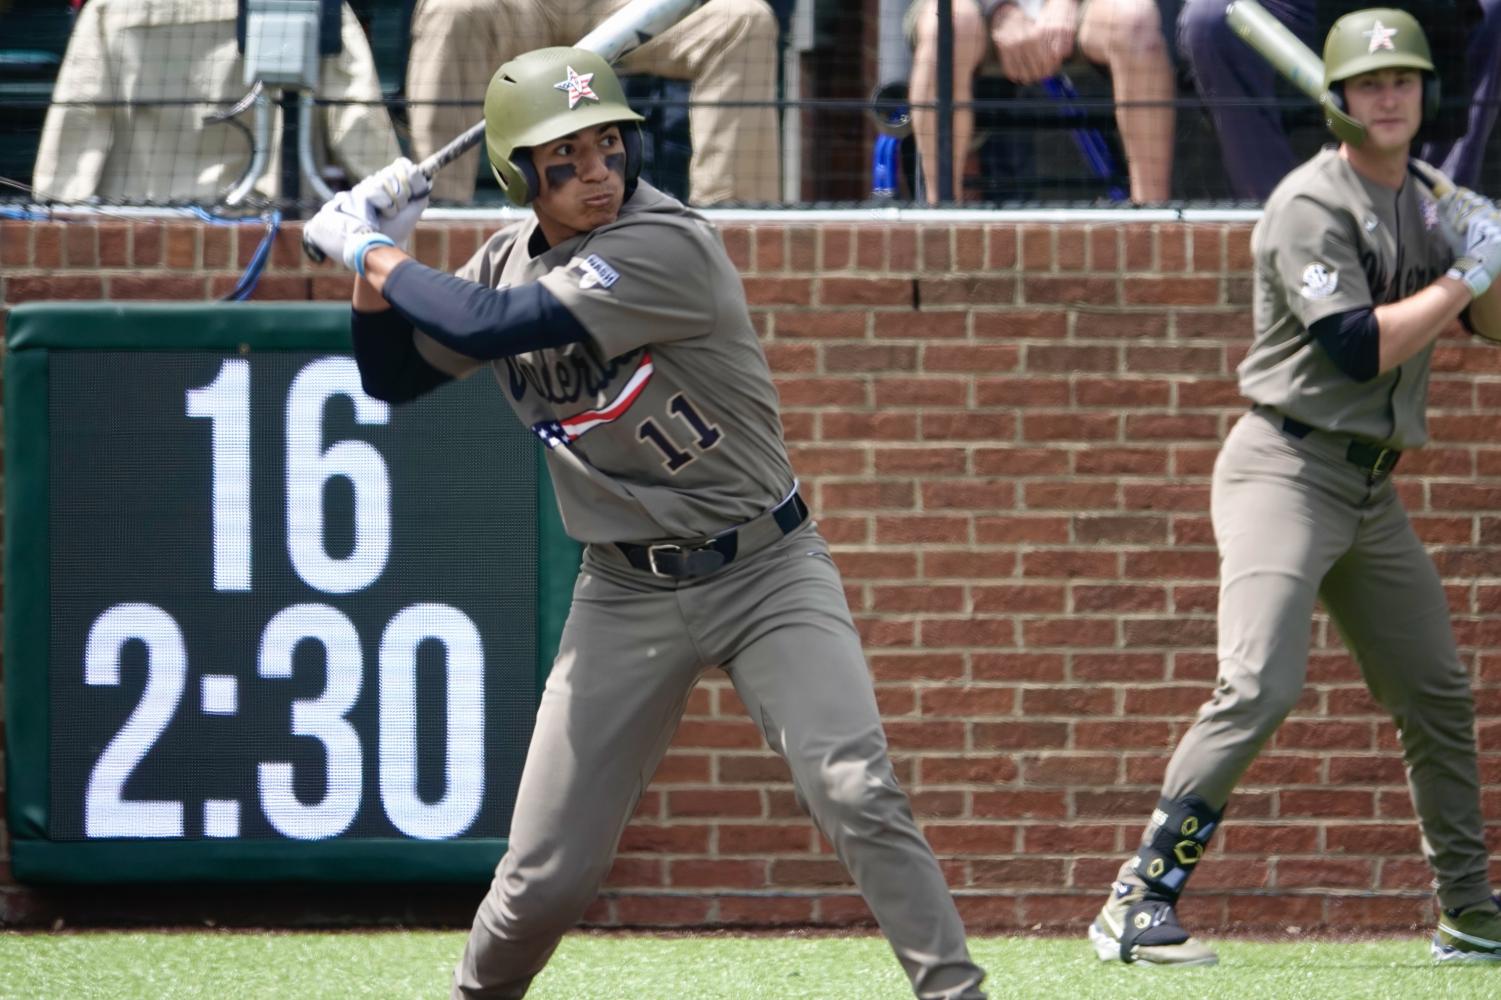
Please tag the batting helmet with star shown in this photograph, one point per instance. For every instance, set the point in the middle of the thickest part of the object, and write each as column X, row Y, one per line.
column 544, row 95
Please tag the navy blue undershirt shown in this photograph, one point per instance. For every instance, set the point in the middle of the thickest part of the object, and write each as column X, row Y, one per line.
column 1352, row 339
column 464, row 316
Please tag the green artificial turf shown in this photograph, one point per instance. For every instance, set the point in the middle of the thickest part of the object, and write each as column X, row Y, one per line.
column 416, row 964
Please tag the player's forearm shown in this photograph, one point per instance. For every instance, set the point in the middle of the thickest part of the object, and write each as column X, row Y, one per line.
column 1413, row 323
column 379, row 263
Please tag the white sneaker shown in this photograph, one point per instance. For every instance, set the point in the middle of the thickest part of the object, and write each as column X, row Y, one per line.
column 1132, row 928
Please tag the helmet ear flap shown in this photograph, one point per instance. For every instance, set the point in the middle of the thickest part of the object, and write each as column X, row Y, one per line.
column 526, row 174
column 517, row 177
column 630, row 135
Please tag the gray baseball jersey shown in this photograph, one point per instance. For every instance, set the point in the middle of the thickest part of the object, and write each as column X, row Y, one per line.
column 664, row 423
column 1330, row 241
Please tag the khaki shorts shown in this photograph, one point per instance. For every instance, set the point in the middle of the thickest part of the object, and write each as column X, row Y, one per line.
column 909, row 19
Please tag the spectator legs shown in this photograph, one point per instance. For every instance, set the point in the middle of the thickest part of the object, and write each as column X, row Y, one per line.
column 457, row 45
column 1253, row 144
column 1126, row 35
column 1461, row 159
column 971, row 42
column 728, row 50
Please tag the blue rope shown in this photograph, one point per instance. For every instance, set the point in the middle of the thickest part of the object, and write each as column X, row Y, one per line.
column 245, row 287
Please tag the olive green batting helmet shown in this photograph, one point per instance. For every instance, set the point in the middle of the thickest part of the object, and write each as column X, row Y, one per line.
column 1380, row 38
column 544, row 95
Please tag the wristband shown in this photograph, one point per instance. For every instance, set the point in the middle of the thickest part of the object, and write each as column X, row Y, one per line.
column 355, row 255
column 1474, row 276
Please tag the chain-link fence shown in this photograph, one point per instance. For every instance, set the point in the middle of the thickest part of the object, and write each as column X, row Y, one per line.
column 238, row 105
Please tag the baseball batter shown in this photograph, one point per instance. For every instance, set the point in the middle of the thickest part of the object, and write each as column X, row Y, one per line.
column 1357, row 273
column 617, row 328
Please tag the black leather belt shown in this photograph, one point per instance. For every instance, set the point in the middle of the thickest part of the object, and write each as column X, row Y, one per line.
column 687, row 560
column 1373, row 459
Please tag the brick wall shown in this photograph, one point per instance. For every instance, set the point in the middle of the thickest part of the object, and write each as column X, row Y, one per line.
column 1007, row 432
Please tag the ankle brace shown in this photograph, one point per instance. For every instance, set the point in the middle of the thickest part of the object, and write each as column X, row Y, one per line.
column 1173, row 844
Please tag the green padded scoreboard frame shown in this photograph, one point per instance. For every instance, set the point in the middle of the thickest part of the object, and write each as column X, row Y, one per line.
column 34, row 333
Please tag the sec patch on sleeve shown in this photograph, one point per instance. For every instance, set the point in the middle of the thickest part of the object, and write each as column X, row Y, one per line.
column 594, row 272
column 1319, row 281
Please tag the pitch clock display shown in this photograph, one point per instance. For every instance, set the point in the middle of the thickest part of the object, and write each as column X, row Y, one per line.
column 279, row 612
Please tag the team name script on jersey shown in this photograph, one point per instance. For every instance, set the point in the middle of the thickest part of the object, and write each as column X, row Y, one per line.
column 566, row 378
column 1409, row 279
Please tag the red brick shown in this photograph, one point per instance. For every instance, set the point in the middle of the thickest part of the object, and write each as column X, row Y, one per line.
column 146, row 244
column 1019, row 598
column 770, row 252
column 182, row 246
column 1069, row 290
column 114, row 244
column 865, row 292
column 836, row 245
column 71, row 287
column 759, row 911
column 217, row 241
column 903, row 248
column 1041, row 667
column 965, row 290
column 802, row 245
column 936, row 246
column 662, row 911
column 778, row 291
column 988, row 358
column 15, row 243
column 869, row 358
column 47, row 245
column 81, row 245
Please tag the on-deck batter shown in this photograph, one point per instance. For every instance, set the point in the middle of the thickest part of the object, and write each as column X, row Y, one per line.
column 1357, row 273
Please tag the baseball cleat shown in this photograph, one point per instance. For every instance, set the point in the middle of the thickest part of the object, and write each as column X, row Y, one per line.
column 1132, row 928
column 1472, row 934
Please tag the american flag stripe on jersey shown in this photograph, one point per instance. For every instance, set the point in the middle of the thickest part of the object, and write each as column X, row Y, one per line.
column 561, row 432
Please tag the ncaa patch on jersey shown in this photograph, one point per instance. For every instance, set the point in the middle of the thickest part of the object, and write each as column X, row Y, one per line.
column 593, row 271
column 1319, row 281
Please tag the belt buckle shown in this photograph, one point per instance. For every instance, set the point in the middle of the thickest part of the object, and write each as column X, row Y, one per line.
column 1385, row 461
column 663, row 547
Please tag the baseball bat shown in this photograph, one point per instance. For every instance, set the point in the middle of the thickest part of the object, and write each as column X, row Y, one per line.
column 1297, row 63
column 618, row 35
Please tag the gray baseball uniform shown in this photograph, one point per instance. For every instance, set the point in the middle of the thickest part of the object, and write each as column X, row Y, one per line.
column 1304, row 509
column 667, row 458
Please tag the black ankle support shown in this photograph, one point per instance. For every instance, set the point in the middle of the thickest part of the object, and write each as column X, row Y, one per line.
column 1173, row 844
column 1151, row 922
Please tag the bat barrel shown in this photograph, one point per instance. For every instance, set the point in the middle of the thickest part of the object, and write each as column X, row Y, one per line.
column 1278, row 46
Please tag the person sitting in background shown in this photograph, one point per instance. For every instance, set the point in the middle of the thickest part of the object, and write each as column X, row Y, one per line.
column 727, row 49
column 1230, row 77
column 126, row 121
column 1123, row 35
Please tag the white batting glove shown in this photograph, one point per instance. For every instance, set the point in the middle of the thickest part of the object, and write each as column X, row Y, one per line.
column 395, row 197
column 1477, row 247
column 343, row 229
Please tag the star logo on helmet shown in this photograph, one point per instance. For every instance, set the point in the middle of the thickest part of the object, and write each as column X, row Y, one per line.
column 1380, row 36
column 577, row 87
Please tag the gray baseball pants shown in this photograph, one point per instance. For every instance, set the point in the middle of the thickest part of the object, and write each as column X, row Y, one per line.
column 1295, row 521
column 632, row 649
